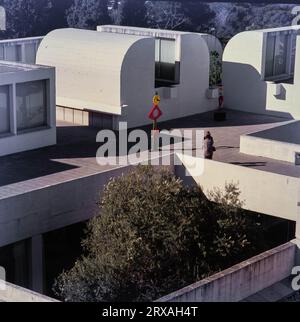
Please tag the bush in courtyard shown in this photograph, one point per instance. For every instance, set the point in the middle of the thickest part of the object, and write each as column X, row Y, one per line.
column 154, row 235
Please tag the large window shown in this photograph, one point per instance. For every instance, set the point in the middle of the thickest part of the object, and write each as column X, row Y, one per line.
column 280, row 56
column 31, row 105
column 13, row 53
column 4, row 109
column 2, row 52
column 166, row 67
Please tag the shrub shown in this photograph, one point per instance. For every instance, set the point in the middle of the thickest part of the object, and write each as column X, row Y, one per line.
column 154, row 235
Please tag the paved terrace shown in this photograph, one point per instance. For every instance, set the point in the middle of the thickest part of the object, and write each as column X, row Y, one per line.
column 227, row 138
column 74, row 155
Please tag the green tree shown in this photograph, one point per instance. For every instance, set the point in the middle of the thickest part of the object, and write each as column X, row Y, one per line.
column 200, row 16
column 134, row 13
column 87, row 14
column 165, row 15
column 215, row 76
column 245, row 16
column 57, row 15
column 115, row 13
column 26, row 18
column 154, row 235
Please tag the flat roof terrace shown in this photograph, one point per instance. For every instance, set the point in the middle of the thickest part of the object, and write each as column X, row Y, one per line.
column 11, row 67
column 74, row 156
column 227, row 138
column 57, row 186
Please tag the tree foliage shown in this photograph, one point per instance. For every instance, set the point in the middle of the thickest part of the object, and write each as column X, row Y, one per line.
column 87, row 14
column 134, row 13
column 200, row 16
column 26, row 17
column 188, row 15
column 215, row 76
column 246, row 16
column 165, row 15
column 154, row 235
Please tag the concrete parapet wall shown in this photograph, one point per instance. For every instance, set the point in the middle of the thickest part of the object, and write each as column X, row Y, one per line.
column 260, row 190
column 242, row 280
column 29, row 213
column 272, row 149
column 13, row 293
column 85, row 118
column 20, row 50
column 52, row 207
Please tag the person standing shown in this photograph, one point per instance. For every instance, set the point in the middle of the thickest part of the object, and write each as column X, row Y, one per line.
column 209, row 148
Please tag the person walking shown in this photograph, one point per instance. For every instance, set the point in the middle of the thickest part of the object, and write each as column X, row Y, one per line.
column 209, row 148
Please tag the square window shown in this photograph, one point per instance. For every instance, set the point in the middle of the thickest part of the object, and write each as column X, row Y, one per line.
column 31, row 105
column 4, row 110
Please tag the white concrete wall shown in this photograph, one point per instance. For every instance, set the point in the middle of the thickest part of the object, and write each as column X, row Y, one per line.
column 186, row 98
column 14, row 142
column 137, row 83
column 269, row 148
column 242, row 280
column 288, row 99
column 115, row 73
column 88, row 67
column 56, row 206
column 212, row 42
column 37, row 211
column 14, row 293
column 244, row 86
column 242, row 63
column 21, row 50
column 263, row 192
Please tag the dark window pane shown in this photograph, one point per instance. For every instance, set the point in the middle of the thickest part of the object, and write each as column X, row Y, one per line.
column 31, row 105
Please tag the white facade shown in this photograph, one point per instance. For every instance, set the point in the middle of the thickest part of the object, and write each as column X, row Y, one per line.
column 22, row 50
column 118, row 74
column 261, row 72
column 27, row 107
column 212, row 42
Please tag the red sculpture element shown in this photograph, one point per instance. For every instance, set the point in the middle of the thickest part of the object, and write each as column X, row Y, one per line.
column 155, row 113
column 221, row 101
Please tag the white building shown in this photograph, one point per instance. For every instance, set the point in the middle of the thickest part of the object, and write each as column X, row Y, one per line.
column 27, row 107
column 111, row 77
column 261, row 72
column 212, row 42
column 22, row 50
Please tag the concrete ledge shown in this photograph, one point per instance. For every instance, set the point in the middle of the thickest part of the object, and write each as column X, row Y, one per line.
column 278, row 143
column 84, row 118
column 13, row 293
column 268, row 148
column 259, row 189
column 242, row 280
column 28, row 141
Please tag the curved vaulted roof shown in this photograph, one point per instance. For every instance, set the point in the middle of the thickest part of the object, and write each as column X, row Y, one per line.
column 88, row 67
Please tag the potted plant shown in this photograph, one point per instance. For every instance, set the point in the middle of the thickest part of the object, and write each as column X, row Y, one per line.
column 215, row 75
column 215, row 84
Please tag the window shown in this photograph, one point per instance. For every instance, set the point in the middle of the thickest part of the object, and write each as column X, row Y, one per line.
column 31, row 105
column 2, row 52
column 4, row 109
column 166, row 67
column 293, row 51
column 13, row 53
column 280, row 56
column 30, row 53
